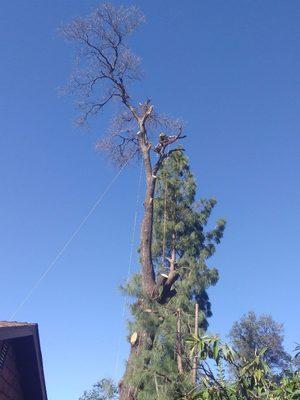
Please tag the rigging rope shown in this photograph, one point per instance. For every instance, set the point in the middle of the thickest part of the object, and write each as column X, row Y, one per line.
column 165, row 223
column 132, row 245
column 67, row 243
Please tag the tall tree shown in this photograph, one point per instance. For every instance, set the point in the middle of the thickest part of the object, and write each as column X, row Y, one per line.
column 106, row 68
column 254, row 333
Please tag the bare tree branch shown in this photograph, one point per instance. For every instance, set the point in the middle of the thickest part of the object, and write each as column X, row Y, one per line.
column 105, row 63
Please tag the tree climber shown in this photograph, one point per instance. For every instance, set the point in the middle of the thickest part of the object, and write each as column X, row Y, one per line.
column 163, row 141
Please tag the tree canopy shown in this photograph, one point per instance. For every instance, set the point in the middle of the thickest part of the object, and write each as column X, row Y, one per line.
column 105, row 389
column 254, row 333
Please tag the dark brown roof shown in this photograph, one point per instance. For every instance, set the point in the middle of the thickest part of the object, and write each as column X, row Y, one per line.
column 25, row 338
column 14, row 324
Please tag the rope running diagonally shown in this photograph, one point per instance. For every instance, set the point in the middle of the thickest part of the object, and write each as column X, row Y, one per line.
column 67, row 243
column 132, row 244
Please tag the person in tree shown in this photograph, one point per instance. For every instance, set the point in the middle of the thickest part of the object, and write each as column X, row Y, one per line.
column 164, row 141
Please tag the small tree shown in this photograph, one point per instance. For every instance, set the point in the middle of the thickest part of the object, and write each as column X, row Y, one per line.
column 252, row 334
column 102, row 390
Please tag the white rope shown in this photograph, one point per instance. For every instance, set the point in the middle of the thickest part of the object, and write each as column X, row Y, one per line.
column 132, row 246
column 165, row 223
column 67, row 243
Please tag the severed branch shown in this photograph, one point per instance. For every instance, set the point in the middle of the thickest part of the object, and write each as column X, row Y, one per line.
column 167, row 281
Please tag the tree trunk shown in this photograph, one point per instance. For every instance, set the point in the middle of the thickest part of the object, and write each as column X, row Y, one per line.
column 148, row 276
column 144, row 341
column 195, row 356
column 127, row 391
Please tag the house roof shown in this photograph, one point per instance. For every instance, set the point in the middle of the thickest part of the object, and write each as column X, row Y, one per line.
column 14, row 324
column 25, row 338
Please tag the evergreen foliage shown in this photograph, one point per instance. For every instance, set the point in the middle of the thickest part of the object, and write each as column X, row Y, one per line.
column 105, row 389
column 180, row 224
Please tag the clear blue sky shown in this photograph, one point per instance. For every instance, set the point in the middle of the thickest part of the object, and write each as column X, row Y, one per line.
column 230, row 69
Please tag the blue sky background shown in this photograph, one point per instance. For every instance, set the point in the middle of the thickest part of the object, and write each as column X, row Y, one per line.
column 230, row 69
